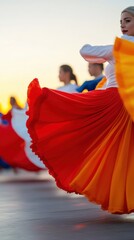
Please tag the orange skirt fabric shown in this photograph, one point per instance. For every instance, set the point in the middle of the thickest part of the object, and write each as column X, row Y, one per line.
column 124, row 56
column 86, row 141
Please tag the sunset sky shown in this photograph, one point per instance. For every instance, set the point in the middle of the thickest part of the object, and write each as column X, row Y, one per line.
column 37, row 36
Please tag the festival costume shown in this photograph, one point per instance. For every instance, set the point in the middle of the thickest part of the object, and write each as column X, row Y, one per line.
column 86, row 140
column 15, row 144
column 101, row 84
column 90, row 84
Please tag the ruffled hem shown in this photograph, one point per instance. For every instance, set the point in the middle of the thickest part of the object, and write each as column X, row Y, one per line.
column 72, row 133
column 35, row 97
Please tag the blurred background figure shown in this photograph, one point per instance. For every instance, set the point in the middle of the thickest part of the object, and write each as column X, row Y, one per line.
column 66, row 76
column 13, row 105
column 95, row 70
column 15, row 151
column 3, row 164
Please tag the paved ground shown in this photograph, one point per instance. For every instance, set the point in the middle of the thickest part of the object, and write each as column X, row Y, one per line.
column 32, row 208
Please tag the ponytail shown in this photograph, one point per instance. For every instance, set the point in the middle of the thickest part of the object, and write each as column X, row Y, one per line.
column 73, row 77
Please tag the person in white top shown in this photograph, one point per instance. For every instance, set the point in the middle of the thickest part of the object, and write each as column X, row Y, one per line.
column 66, row 75
column 101, row 54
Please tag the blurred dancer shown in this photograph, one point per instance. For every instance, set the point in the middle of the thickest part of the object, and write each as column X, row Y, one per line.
column 15, row 143
column 66, row 76
column 95, row 70
column 14, row 105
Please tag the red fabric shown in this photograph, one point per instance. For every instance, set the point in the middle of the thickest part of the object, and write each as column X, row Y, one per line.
column 63, row 125
column 12, row 149
column 86, row 141
column 7, row 116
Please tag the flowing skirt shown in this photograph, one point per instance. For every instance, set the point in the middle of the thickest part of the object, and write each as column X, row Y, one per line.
column 14, row 149
column 86, row 141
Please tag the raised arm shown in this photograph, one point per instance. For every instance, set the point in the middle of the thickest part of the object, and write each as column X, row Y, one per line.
column 97, row 54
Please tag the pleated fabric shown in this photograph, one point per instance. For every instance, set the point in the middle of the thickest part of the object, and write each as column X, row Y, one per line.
column 86, row 141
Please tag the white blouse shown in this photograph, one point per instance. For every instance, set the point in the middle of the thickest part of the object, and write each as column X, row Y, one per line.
column 70, row 88
column 101, row 54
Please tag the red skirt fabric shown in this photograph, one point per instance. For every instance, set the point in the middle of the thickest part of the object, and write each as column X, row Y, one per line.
column 12, row 149
column 86, row 141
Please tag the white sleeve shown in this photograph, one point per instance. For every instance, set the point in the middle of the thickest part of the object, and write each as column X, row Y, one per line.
column 129, row 38
column 97, row 54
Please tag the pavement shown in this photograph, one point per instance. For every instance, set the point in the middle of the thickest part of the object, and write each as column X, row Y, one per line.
column 33, row 208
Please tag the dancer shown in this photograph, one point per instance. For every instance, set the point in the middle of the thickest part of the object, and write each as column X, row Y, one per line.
column 66, row 75
column 15, row 143
column 94, row 69
column 14, row 105
column 86, row 140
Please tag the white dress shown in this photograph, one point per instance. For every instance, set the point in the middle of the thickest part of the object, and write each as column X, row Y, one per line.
column 18, row 122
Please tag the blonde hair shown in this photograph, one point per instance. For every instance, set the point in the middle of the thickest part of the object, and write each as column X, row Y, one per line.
column 129, row 10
